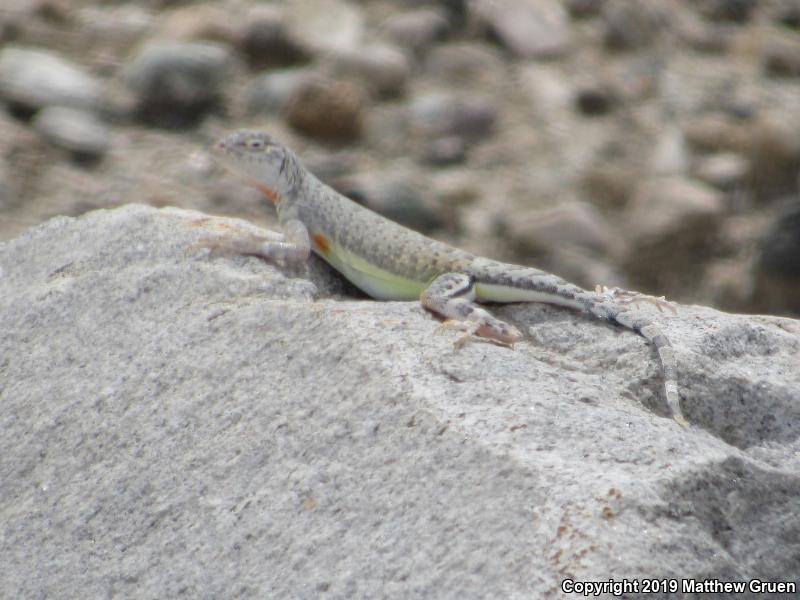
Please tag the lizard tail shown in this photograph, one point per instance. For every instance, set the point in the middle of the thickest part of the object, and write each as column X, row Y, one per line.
column 653, row 334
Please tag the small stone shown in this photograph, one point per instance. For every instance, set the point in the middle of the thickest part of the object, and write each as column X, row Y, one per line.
column 326, row 25
column 596, row 100
column 737, row 11
column 725, row 170
column 777, row 268
column 705, row 36
column 780, row 248
column 547, row 88
column 787, row 13
column 715, row 132
column 528, row 28
column 396, row 196
column 177, row 83
column 569, row 223
column 465, row 62
column 75, row 130
column 584, row 9
column 329, row 166
column 267, row 42
column 32, row 79
column 609, row 185
column 672, row 227
column 632, row 24
column 441, row 114
column 447, row 150
column 328, row 110
column 670, row 155
column 381, row 69
column 270, row 93
column 203, row 22
column 772, row 146
column 9, row 194
column 665, row 207
column 781, row 57
column 418, row 29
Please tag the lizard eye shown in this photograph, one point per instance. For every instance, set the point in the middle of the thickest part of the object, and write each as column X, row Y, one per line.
column 255, row 144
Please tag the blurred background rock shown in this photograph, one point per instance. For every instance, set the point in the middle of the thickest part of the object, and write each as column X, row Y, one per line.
column 650, row 145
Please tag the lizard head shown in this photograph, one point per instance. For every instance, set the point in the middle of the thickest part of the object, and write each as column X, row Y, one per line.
column 258, row 158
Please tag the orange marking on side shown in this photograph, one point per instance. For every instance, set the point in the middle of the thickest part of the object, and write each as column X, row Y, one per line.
column 268, row 192
column 323, row 243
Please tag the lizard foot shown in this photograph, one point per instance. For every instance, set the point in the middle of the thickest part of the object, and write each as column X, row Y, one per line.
column 221, row 244
column 469, row 330
column 506, row 335
column 621, row 296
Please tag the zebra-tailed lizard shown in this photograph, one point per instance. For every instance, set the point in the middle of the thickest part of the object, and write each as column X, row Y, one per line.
column 389, row 262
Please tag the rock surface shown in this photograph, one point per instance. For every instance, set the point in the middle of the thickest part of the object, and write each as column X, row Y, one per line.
column 537, row 101
column 176, row 424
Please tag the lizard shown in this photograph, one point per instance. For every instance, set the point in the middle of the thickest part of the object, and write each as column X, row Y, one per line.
column 388, row 261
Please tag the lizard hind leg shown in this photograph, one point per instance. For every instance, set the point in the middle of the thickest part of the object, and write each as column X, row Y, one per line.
column 452, row 296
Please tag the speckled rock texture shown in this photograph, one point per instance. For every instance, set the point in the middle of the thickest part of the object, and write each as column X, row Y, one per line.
column 177, row 424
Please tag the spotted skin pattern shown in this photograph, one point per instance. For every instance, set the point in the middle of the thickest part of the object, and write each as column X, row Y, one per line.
column 390, row 262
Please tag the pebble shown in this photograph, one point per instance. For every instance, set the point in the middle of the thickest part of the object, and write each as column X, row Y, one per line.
column 270, row 93
column 704, row 36
column 32, row 79
column 267, row 42
column 177, row 83
column 203, row 22
column 787, row 14
column 442, row 114
column 75, row 130
column 724, row 170
column 326, row 25
column 584, row 9
column 781, row 57
column 772, row 146
column 609, row 184
column 9, row 195
column 570, row 223
column 631, row 24
column 397, row 196
column 328, row 110
column 737, row 11
column 328, row 166
column 460, row 63
column 670, row 152
column 381, row 69
column 780, row 248
column 446, row 150
column 715, row 132
column 418, row 29
column 596, row 100
column 665, row 207
column 527, row 28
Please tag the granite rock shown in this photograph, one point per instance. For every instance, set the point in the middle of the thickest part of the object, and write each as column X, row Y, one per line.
column 179, row 424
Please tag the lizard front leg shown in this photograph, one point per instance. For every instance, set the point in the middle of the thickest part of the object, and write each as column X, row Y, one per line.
column 292, row 247
column 451, row 295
